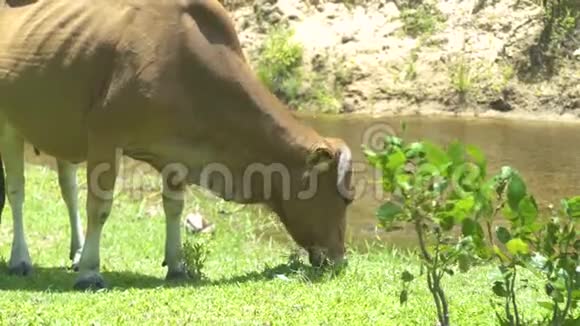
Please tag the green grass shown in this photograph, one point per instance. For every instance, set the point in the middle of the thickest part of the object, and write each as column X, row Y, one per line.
column 421, row 20
column 280, row 66
column 249, row 277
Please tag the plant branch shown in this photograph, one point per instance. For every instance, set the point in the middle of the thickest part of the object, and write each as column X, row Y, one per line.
column 435, row 293
column 437, row 284
column 419, row 231
column 496, row 210
column 513, row 297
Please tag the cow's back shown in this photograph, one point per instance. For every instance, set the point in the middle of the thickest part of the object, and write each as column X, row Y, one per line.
column 55, row 58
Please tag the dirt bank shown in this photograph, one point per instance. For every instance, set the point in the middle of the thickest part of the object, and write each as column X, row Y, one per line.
column 482, row 57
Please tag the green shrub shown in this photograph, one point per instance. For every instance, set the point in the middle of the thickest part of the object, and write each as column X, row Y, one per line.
column 444, row 190
column 195, row 252
column 461, row 77
column 280, row 64
column 280, row 67
column 421, row 20
column 560, row 19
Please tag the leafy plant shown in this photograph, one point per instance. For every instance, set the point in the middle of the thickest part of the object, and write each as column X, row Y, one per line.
column 195, row 254
column 279, row 63
column 422, row 19
column 461, row 77
column 280, row 67
column 443, row 190
column 436, row 190
column 557, row 259
column 521, row 211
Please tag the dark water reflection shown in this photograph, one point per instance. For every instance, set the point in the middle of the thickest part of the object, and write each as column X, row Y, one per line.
column 546, row 153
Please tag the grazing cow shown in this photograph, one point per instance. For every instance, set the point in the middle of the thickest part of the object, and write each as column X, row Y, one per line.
column 165, row 82
column 12, row 186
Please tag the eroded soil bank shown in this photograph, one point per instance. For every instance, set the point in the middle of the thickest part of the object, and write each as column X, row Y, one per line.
column 482, row 57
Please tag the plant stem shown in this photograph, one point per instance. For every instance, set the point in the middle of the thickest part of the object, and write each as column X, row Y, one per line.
column 437, row 284
column 432, row 277
column 430, row 282
column 419, row 231
column 568, row 299
column 489, row 233
column 513, row 297
column 443, row 302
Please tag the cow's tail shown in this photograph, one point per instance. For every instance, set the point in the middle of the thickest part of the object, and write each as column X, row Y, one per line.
column 2, row 188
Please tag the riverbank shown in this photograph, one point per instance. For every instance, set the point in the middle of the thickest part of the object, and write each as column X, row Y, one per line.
column 249, row 278
column 441, row 57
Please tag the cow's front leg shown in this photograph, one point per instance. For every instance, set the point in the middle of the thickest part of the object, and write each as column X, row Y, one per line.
column 173, row 207
column 67, row 180
column 12, row 147
column 102, row 167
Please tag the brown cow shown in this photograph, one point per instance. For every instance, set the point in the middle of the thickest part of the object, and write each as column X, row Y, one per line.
column 165, row 82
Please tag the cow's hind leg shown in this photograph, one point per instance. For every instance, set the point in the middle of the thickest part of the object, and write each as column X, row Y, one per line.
column 12, row 148
column 102, row 167
column 67, row 180
column 173, row 207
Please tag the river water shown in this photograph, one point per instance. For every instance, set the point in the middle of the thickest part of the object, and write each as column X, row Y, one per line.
column 546, row 153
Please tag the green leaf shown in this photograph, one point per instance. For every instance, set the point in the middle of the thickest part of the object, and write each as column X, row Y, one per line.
column 446, row 221
column 549, row 305
column 528, row 211
column 464, row 262
column 517, row 246
column 516, row 191
column 470, row 228
column 499, row 289
column 435, row 155
column 456, row 153
column 572, row 206
column 394, row 141
column 572, row 322
column 505, row 172
column 463, row 208
column 500, row 254
column 403, row 181
column 503, row 235
column 476, row 154
column 407, row 277
column 414, row 150
column 556, row 295
column 403, row 296
column 389, row 212
column 395, row 160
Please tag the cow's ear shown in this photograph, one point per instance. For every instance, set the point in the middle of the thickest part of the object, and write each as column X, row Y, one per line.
column 320, row 158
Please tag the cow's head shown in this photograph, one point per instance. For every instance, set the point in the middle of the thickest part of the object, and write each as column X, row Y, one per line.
column 315, row 215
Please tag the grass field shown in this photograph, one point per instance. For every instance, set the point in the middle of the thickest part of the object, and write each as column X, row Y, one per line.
column 250, row 280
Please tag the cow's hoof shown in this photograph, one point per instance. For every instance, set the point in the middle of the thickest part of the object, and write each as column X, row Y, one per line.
column 21, row 268
column 74, row 266
column 90, row 281
column 75, row 262
column 176, row 276
column 75, row 254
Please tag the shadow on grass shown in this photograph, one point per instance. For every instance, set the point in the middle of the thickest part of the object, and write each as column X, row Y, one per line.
column 59, row 279
column 288, row 271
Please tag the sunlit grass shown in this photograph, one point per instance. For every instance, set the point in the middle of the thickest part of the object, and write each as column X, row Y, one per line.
column 249, row 278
